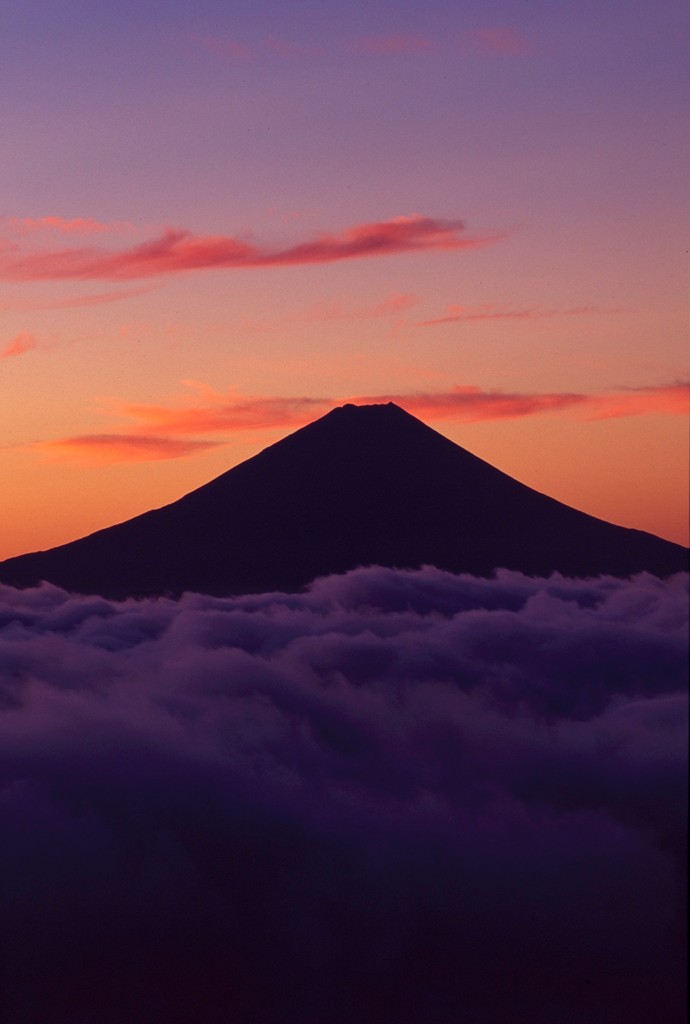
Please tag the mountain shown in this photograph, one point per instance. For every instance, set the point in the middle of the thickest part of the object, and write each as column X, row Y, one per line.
column 363, row 485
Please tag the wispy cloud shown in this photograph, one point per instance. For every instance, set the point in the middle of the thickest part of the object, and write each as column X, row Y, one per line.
column 66, row 226
column 497, row 40
column 470, row 404
column 20, row 344
column 387, row 45
column 290, row 50
column 74, row 301
column 226, row 48
column 487, row 40
column 224, row 412
column 178, row 250
column 393, row 306
column 104, row 448
column 469, row 314
column 669, row 400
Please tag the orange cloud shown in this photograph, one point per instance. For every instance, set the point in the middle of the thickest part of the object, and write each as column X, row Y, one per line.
column 20, row 344
column 470, row 404
column 673, row 399
column 104, row 448
column 393, row 44
column 180, row 250
column 229, row 413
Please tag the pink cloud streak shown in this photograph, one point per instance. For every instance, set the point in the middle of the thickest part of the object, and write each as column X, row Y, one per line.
column 469, row 314
column 178, row 250
column 18, row 345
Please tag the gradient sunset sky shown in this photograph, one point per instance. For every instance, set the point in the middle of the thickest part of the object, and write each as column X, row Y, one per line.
column 219, row 220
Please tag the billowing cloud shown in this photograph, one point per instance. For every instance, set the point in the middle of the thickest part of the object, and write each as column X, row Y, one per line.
column 20, row 344
column 404, row 796
column 180, row 250
column 103, row 448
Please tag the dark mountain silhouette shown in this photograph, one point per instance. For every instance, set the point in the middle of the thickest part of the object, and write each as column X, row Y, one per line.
column 363, row 485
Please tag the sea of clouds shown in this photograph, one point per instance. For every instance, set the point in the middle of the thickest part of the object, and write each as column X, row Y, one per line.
column 402, row 797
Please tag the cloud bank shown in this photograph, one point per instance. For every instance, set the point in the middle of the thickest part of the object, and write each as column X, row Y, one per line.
column 400, row 796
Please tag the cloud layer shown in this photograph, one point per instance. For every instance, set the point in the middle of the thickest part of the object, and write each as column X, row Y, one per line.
column 402, row 796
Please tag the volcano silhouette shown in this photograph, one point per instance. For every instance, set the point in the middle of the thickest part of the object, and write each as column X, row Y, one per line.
column 363, row 485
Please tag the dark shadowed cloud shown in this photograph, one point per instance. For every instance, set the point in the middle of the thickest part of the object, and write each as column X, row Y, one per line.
column 399, row 796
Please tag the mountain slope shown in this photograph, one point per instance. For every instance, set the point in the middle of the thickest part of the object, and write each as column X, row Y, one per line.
column 362, row 485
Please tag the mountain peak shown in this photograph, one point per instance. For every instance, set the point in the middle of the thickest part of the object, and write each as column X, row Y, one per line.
column 370, row 409
column 362, row 485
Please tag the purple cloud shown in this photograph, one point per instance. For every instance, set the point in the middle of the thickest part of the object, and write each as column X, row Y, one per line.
column 399, row 795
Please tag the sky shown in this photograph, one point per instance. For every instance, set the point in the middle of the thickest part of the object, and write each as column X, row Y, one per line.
column 220, row 220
